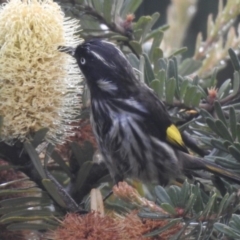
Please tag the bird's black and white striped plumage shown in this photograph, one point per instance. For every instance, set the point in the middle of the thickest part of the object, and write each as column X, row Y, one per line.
column 133, row 129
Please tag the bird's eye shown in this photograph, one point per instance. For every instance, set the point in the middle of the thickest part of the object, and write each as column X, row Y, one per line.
column 83, row 61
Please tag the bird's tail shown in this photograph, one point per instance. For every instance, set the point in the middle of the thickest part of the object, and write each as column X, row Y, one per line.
column 195, row 163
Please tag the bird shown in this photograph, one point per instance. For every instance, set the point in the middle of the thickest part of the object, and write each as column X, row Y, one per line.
column 132, row 126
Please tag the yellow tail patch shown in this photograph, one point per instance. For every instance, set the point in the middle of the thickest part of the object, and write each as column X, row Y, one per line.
column 174, row 136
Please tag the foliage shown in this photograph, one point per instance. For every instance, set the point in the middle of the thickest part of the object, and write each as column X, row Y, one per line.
column 208, row 206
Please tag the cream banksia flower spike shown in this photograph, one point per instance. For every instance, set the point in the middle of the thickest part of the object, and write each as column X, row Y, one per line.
column 39, row 86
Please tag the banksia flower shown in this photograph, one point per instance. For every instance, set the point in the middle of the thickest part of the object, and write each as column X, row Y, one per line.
column 38, row 84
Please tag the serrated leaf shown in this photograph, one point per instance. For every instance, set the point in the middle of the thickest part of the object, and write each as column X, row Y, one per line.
column 170, row 90
column 52, row 191
column 234, row 59
column 219, row 112
column 35, row 159
column 162, row 195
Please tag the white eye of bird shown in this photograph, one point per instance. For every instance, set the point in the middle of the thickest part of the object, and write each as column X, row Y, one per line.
column 83, row 61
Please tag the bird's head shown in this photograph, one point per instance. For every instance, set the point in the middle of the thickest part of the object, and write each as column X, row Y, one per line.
column 104, row 67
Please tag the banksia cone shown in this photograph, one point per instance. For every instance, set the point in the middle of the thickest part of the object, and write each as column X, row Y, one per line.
column 38, row 84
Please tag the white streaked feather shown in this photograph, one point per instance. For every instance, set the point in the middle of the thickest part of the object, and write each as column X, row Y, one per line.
column 106, row 85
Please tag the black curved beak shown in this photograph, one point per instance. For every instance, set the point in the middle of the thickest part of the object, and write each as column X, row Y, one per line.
column 68, row 50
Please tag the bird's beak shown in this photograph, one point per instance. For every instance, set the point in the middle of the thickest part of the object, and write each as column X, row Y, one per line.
column 68, row 50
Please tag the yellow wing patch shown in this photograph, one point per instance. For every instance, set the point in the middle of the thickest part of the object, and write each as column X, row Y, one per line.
column 174, row 136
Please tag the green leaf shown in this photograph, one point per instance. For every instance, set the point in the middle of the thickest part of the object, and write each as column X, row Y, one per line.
column 83, row 173
column 220, row 114
column 178, row 52
column 136, row 46
column 30, row 226
column 58, row 159
column 35, row 159
column 223, row 131
column 233, row 122
column 148, row 71
column 190, row 203
column 52, row 191
column 162, row 195
column 133, row 60
column 156, row 86
column 162, row 78
column 238, row 132
column 170, row 90
column 155, row 44
column 148, row 27
column 222, row 204
column 223, row 89
column 189, row 66
column 82, row 154
column 163, row 229
column 23, row 215
column 234, row 59
column 183, row 88
column 39, row 137
column 218, row 144
column 208, row 207
column 107, row 10
column 130, row 6
column 98, row 5
column 228, row 231
column 196, row 99
column 23, row 201
column 169, row 208
column 236, row 83
column 234, row 152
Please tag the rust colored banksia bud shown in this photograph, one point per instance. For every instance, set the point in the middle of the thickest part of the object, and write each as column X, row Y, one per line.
column 39, row 85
